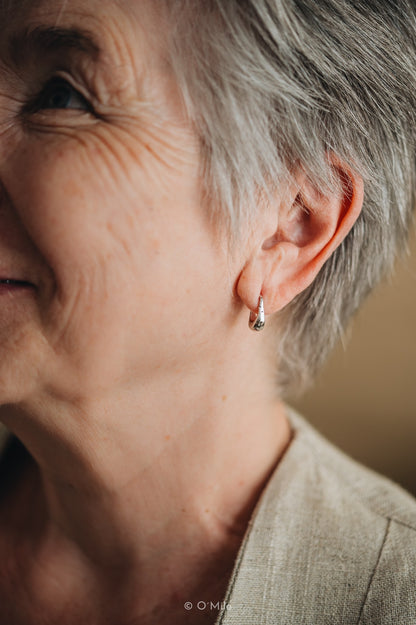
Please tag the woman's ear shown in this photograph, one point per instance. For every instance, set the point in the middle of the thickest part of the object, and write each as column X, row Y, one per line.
column 311, row 224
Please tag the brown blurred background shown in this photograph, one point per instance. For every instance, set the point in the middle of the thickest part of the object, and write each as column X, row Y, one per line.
column 365, row 398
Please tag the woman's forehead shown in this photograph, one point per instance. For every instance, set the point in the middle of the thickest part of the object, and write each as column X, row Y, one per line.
column 123, row 30
column 142, row 16
column 58, row 7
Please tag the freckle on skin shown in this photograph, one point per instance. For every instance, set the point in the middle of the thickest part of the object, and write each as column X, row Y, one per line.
column 167, row 437
column 224, row 398
column 155, row 245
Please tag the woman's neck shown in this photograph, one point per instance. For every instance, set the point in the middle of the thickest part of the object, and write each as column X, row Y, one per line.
column 156, row 489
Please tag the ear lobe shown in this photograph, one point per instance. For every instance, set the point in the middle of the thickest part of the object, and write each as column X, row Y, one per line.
column 311, row 225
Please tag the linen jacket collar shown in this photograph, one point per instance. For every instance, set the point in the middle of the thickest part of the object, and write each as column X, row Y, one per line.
column 317, row 540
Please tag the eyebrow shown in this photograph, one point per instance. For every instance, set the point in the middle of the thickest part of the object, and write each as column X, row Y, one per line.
column 46, row 40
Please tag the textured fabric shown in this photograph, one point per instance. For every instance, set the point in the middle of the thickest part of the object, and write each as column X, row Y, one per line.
column 329, row 543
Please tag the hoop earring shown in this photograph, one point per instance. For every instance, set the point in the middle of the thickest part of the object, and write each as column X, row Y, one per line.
column 257, row 322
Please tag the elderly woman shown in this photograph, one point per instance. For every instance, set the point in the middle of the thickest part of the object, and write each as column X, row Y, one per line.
column 168, row 171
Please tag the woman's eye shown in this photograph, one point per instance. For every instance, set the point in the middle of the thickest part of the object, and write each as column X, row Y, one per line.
column 60, row 94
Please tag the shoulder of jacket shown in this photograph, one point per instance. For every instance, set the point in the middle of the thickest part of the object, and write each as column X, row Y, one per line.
column 362, row 486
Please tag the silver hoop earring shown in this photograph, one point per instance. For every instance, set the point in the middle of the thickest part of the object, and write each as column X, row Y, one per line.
column 257, row 322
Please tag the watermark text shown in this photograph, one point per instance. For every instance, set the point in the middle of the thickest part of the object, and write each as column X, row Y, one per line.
column 207, row 605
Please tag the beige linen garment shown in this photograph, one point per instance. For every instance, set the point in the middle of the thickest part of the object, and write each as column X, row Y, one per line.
column 329, row 543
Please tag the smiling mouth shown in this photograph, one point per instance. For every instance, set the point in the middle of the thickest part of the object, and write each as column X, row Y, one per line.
column 21, row 283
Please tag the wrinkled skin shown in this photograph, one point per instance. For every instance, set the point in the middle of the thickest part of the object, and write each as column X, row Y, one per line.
column 108, row 203
column 119, row 366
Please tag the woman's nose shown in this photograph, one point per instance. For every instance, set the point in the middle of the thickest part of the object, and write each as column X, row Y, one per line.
column 9, row 101
column 6, row 210
column 7, row 124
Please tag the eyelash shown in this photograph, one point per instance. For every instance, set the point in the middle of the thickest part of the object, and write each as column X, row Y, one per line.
column 40, row 101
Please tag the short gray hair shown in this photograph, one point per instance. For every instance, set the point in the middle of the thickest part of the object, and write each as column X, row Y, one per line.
column 274, row 83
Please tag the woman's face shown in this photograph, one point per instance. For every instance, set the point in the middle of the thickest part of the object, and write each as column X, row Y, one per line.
column 100, row 204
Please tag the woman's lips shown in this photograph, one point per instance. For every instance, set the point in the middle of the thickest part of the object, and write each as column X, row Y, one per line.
column 8, row 285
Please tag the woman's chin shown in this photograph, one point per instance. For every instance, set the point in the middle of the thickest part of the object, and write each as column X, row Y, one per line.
column 21, row 368
column 14, row 391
